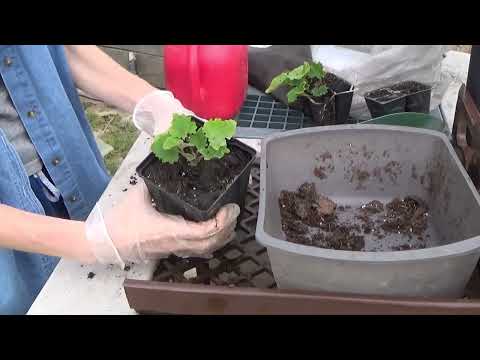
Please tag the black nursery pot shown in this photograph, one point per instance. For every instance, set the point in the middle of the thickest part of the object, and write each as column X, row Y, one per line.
column 407, row 96
column 418, row 96
column 172, row 204
column 343, row 91
column 323, row 112
column 380, row 104
column 334, row 109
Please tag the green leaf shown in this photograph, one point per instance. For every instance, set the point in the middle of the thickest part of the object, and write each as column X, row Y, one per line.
column 299, row 72
column 217, row 131
column 199, row 140
column 210, row 153
column 295, row 92
column 316, row 71
column 171, row 142
column 164, row 155
column 277, row 81
column 182, row 126
column 319, row 90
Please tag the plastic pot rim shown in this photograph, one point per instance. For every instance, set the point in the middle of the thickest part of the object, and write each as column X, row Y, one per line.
column 319, row 103
column 470, row 245
column 385, row 102
column 429, row 88
column 389, row 116
column 352, row 89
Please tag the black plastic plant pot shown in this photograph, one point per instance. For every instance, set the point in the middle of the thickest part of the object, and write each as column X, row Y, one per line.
column 343, row 104
column 305, row 101
column 380, row 105
column 172, row 204
column 323, row 112
column 343, row 91
column 341, row 101
column 419, row 102
column 406, row 96
column 418, row 96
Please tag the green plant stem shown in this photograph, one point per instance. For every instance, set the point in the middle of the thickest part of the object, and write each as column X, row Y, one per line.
column 197, row 156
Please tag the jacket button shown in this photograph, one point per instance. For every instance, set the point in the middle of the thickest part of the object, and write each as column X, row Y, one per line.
column 7, row 61
column 56, row 161
column 31, row 114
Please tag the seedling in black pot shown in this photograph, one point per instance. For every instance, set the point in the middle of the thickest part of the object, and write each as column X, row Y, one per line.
column 326, row 97
column 195, row 168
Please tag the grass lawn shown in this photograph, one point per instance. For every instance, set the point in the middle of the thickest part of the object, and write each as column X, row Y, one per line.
column 115, row 129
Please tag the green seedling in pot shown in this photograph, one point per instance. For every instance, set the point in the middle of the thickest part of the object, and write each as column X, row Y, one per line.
column 184, row 138
column 305, row 80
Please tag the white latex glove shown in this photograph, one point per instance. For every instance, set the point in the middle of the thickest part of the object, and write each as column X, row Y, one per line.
column 133, row 231
column 153, row 113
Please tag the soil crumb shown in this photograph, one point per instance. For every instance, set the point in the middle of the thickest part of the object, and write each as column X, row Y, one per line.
column 312, row 219
column 133, row 180
column 319, row 172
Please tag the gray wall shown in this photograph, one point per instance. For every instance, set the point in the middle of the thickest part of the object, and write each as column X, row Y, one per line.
column 149, row 60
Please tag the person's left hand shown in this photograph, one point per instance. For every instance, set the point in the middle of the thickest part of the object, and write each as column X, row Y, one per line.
column 134, row 231
column 153, row 113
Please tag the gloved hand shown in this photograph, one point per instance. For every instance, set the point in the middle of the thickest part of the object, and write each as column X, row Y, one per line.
column 133, row 231
column 153, row 113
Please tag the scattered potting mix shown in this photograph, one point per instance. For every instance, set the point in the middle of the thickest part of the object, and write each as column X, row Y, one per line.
column 309, row 218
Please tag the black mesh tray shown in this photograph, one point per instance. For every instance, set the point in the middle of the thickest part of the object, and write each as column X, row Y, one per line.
column 262, row 115
column 243, row 262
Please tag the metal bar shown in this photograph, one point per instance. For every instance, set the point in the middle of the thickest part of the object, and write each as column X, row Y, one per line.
column 190, row 299
column 473, row 80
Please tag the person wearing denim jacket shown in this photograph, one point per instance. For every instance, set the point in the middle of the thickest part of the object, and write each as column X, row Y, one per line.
column 42, row 82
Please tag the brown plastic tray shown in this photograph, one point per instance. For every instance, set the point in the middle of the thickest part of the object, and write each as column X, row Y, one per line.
column 244, row 263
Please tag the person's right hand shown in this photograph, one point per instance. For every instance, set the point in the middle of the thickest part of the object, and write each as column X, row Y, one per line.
column 153, row 113
column 133, row 231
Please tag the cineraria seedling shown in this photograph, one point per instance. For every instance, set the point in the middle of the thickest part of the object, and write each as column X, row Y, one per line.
column 304, row 80
column 185, row 138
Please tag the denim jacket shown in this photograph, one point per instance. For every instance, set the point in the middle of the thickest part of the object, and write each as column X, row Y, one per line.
column 39, row 82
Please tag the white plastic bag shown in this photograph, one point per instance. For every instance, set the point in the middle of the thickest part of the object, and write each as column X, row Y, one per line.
column 370, row 67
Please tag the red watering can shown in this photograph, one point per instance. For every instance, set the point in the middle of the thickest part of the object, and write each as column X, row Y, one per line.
column 210, row 80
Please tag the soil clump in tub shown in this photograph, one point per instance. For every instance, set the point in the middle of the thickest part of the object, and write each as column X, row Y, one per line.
column 310, row 218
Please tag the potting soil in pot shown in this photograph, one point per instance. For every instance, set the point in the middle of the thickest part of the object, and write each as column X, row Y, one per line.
column 385, row 95
column 201, row 185
column 398, row 90
column 309, row 218
column 335, row 83
column 409, row 87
